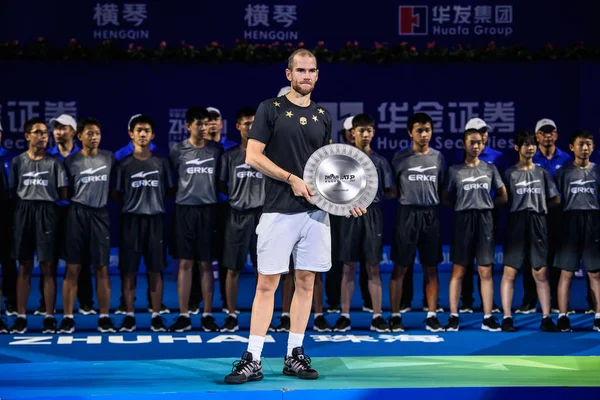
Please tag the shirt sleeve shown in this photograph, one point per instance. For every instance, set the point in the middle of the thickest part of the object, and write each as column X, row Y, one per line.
column 328, row 127
column 442, row 167
column 262, row 127
column 224, row 170
column 497, row 181
column 450, row 184
column 388, row 175
column 117, row 177
column 13, row 179
column 168, row 172
column 549, row 184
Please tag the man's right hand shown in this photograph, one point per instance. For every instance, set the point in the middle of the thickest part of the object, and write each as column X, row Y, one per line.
column 300, row 188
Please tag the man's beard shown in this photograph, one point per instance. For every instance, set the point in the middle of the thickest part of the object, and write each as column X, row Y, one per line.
column 302, row 91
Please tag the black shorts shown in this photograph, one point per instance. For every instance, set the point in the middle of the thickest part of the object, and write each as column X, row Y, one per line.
column 334, row 225
column 473, row 238
column 195, row 232
column 219, row 242
column 7, row 213
column 240, row 238
column 142, row 235
column 417, row 228
column 526, row 239
column 362, row 236
column 35, row 231
column 61, row 231
column 580, row 240
column 88, row 236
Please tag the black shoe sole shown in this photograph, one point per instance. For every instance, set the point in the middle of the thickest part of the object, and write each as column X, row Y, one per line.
column 292, row 373
column 253, row 378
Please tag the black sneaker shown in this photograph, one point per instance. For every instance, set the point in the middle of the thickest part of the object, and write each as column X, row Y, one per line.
column 432, row 324
column 466, row 308
column 284, row 324
column 11, row 310
column 41, row 310
column 245, row 370
column 87, row 310
column 3, row 326
column 342, row 324
column 321, row 324
column 121, row 309
column 157, row 324
column 298, row 365
column 182, row 324
column 163, row 309
column 194, row 309
column 570, row 311
column 548, row 325
column 67, row 325
column 396, row 324
column 596, row 326
column 404, row 308
column 564, row 324
column 128, row 324
column 491, row 324
column 49, row 325
column 334, row 310
column 453, row 324
column 230, row 324
column 508, row 325
column 526, row 309
column 20, row 325
column 105, row 325
column 496, row 309
column 209, row 324
column 379, row 324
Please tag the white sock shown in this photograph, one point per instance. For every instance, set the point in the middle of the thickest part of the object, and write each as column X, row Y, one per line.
column 294, row 340
column 103, row 316
column 206, row 314
column 487, row 316
column 376, row 315
column 431, row 314
column 255, row 346
column 155, row 314
column 49, row 316
column 347, row 315
column 561, row 315
column 597, row 316
column 69, row 316
column 130, row 314
column 22, row 316
column 318, row 314
column 234, row 315
column 396, row 314
column 285, row 314
column 454, row 314
column 510, row 316
column 185, row 314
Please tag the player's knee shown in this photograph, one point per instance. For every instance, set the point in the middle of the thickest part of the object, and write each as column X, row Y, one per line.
column 350, row 269
column 539, row 275
column 373, row 271
column 594, row 276
column 399, row 272
column 267, row 284
column 71, row 274
column 305, row 281
column 186, row 265
column 485, row 273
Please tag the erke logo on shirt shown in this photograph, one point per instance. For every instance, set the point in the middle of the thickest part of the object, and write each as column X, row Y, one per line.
column 33, row 179
column 582, row 189
column 247, row 174
column 144, row 182
column 473, row 186
column 199, row 170
column 91, row 171
column 421, row 177
column 527, row 190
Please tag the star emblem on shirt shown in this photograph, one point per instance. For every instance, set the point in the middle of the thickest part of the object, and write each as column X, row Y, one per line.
column 314, row 118
column 289, row 114
column 321, row 111
column 277, row 104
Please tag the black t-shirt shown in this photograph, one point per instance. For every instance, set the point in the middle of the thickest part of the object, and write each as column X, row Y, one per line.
column 291, row 134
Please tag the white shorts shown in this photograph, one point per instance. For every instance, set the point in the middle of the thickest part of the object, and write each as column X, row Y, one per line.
column 306, row 236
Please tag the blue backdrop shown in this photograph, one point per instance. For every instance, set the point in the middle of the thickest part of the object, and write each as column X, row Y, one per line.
column 509, row 96
column 532, row 23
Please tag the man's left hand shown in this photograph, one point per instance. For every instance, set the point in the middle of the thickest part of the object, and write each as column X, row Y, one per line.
column 357, row 212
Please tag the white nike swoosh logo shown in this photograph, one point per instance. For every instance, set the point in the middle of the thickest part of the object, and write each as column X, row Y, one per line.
column 35, row 174
column 197, row 161
column 525, row 183
column 421, row 169
column 245, row 166
column 91, row 171
column 581, row 182
column 143, row 174
column 474, row 178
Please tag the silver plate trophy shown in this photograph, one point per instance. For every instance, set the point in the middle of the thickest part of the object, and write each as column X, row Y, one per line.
column 341, row 177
